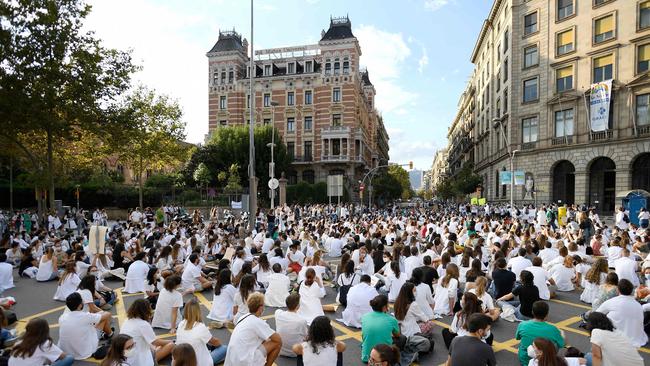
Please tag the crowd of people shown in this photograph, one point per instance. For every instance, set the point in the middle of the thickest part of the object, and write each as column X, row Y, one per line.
column 394, row 271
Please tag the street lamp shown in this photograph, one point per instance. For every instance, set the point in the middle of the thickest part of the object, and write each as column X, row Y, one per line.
column 272, row 146
column 252, row 197
column 511, row 153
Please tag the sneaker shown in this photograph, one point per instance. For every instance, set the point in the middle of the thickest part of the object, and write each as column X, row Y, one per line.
column 215, row 325
column 106, row 336
column 106, row 307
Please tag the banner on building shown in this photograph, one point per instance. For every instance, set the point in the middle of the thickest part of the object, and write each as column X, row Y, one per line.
column 335, row 185
column 474, row 201
column 520, row 177
column 599, row 103
column 482, row 201
column 505, row 177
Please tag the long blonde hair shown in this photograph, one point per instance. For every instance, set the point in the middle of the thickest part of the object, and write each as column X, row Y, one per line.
column 480, row 284
column 192, row 313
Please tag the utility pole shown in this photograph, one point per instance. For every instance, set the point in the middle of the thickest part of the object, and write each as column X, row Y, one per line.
column 252, row 190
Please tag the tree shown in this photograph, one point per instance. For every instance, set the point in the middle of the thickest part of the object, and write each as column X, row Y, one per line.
column 57, row 82
column 202, row 175
column 234, row 186
column 155, row 137
column 391, row 184
column 460, row 185
column 401, row 176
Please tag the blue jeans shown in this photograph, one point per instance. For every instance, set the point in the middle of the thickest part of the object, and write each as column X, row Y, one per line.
column 66, row 361
column 219, row 354
column 589, row 358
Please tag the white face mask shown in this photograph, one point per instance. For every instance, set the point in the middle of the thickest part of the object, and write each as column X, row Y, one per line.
column 531, row 352
column 647, row 276
column 386, row 260
column 129, row 352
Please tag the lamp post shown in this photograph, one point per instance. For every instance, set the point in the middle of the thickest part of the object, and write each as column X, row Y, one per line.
column 511, row 154
column 252, row 197
column 272, row 146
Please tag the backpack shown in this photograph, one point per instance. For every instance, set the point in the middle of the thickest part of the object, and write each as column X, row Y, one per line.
column 626, row 218
column 343, row 292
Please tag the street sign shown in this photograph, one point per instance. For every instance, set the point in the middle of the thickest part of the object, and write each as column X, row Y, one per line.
column 520, row 177
column 335, row 185
column 273, row 183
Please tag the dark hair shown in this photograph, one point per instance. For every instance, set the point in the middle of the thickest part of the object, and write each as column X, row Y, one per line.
column 320, row 333
column 73, row 301
column 625, row 287
column 379, row 302
column 115, row 354
column 477, row 321
column 139, row 309
column 394, row 266
column 470, row 305
column 223, row 279
column 612, row 279
column 540, row 309
column 417, row 275
column 88, row 283
column 171, row 282
column 501, row 263
column 349, row 268
column 537, row 261
column 596, row 320
column 527, row 278
column 365, row 278
column 404, row 300
column 388, row 353
column 292, row 301
column 246, row 286
column 150, row 276
column 193, row 257
column 140, row 256
column 184, row 355
column 263, row 262
column 37, row 333
column 549, row 355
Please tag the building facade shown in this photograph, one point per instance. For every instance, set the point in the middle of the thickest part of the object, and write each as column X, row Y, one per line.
column 439, row 168
column 316, row 96
column 535, row 62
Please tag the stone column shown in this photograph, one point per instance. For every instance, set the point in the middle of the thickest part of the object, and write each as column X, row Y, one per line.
column 623, row 183
column 581, row 187
column 253, row 196
column 283, row 190
column 544, row 187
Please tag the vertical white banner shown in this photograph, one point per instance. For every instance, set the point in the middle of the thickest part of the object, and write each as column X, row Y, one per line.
column 599, row 101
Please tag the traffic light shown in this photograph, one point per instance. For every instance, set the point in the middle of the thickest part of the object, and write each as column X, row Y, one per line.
column 410, row 165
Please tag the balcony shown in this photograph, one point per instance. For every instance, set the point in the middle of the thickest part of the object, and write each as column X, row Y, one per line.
column 562, row 140
column 528, row 145
column 333, row 132
column 643, row 130
column 341, row 158
column 303, row 159
column 601, row 135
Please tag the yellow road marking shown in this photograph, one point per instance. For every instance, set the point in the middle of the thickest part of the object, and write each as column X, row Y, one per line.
column 567, row 322
column 571, row 304
column 120, row 309
column 22, row 323
column 202, row 299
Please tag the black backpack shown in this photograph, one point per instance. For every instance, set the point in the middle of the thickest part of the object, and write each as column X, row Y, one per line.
column 626, row 218
column 343, row 292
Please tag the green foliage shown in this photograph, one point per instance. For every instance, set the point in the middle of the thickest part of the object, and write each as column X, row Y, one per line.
column 463, row 183
column 161, row 181
column 391, row 184
column 305, row 193
column 202, row 175
column 234, row 185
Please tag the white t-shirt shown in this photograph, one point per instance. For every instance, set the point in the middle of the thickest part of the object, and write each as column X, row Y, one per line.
column 143, row 337
column 6, row 276
column 77, row 333
column 616, row 348
column 197, row 337
column 190, row 277
column 540, row 276
column 626, row 269
column 562, row 276
column 136, row 277
column 292, row 328
column 627, row 315
column 222, row 304
column 162, row 316
column 325, row 356
column 44, row 354
column 248, row 336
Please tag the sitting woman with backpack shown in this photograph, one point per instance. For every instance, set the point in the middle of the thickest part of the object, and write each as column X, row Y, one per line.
column 346, row 280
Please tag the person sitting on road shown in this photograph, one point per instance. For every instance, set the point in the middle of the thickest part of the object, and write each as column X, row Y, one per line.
column 358, row 300
column 136, row 275
column 320, row 346
column 290, row 325
column 78, row 328
column 278, row 289
column 470, row 349
column 38, row 348
column 223, row 299
column 608, row 345
column 626, row 313
column 529, row 330
column 167, row 314
column 137, row 326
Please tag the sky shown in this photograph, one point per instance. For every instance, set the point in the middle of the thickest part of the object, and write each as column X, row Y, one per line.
column 417, row 53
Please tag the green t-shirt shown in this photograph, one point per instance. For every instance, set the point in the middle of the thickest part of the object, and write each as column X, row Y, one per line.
column 376, row 328
column 529, row 330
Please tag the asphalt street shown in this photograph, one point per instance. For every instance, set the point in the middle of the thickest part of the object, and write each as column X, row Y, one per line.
column 35, row 300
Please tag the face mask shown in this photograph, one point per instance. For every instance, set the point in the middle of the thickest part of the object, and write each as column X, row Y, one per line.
column 93, row 273
column 129, row 352
column 386, row 260
column 531, row 352
column 647, row 276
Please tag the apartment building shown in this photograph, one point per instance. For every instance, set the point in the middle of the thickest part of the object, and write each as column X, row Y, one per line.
column 439, row 168
column 316, row 96
column 535, row 62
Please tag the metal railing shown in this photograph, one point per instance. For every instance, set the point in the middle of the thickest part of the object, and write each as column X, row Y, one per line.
column 601, row 135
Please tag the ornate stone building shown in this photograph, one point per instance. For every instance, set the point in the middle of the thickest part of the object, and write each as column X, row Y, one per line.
column 317, row 97
column 535, row 62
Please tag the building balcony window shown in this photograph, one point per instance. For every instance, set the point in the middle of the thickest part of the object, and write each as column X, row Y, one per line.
column 643, row 130
column 563, row 140
column 601, row 135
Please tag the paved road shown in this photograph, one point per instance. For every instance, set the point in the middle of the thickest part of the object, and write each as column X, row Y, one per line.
column 35, row 300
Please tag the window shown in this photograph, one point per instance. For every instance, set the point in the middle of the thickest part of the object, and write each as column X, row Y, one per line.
column 604, row 29
column 506, row 41
column 337, row 67
column 223, row 102
column 291, row 150
column 248, row 100
column 336, row 95
column 308, row 95
column 505, row 100
column 565, row 42
column 215, row 78
column 642, row 58
column 642, row 117
column 267, row 100
column 267, row 121
column 530, row 90
column 291, row 98
column 346, row 67
column 564, row 9
column 530, row 23
column 223, row 77
column 600, row 2
column 291, row 68
column 336, row 147
column 531, row 56
column 498, row 82
column 231, row 77
column 267, row 70
column 336, row 120
column 504, row 186
column 308, row 120
column 529, row 129
column 564, row 79
column 498, row 108
column 291, row 124
column 644, row 15
column 328, row 68
column 308, row 176
column 564, row 123
column 223, row 122
column 309, row 66
column 308, row 151
column 505, row 70
column 603, row 68
column 498, row 53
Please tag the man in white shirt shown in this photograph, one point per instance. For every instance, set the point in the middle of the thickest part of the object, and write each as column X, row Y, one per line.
column 626, row 268
column 267, row 244
column 412, row 262
column 548, row 253
column 359, row 297
column 291, row 327
column 336, row 245
column 626, row 313
column 519, row 263
column 78, row 328
column 136, row 216
column 6, row 274
column 256, row 342
column 540, row 278
column 620, row 219
column 193, row 278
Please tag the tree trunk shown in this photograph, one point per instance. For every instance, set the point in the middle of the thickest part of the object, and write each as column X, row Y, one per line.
column 11, row 183
column 50, row 168
column 140, row 184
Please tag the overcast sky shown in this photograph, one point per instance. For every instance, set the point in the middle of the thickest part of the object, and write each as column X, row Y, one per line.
column 417, row 53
